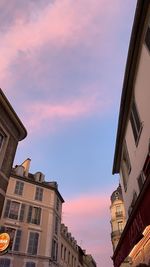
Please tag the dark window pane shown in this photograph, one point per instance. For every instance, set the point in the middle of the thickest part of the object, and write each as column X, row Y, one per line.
column 22, row 212
column 135, row 122
column 133, row 127
column 7, row 207
column 147, row 38
column 17, row 240
column 19, row 188
column 30, row 264
column 33, row 243
column 39, row 193
column 1, row 140
column 4, row 262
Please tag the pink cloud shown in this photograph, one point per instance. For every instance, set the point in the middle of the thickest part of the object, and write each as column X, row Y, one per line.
column 87, row 218
column 51, row 116
column 61, row 23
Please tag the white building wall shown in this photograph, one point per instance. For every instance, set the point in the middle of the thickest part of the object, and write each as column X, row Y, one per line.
column 138, row 153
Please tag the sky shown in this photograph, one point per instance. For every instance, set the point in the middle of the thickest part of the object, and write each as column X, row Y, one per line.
column 62, row 65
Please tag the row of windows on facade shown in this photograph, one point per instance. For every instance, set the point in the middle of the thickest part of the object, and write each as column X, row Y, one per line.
column 17, row 211
column 38, row 194
column 136, row 125
column 136, row 128
column 67, row 257
column 33, row 241
column 19, row 190
column 5, row 262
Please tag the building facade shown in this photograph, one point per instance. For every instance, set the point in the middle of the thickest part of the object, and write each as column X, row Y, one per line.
column 32, row 216
column 72, row 255
column 118, row 219
column 132, row 151
column 11, row 132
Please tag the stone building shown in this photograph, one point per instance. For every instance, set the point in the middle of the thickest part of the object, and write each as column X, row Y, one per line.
column 132, row 151
column 11, row 132
column 118, row 219
column 72, row 255
column 32, row 216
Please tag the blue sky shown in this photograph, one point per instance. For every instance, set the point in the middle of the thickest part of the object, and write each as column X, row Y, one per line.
column 62, row 68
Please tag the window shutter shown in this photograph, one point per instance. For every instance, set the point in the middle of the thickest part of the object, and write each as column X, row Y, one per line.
column 17, row 240
column 5, row 262
column 39, row 216
column 7, row 208
column 21, row 217
column 29, row 214
column 36, row 237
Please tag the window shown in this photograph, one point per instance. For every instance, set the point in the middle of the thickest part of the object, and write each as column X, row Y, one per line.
column 19, row 188
column 34, row 215
column 72, row 261
column 17, row 240
column 69, row 257
column 54, row 250
column 120, row 226
column 57, row 204
column 135, row 123
column 4, row 262
column 39, row 193
column 141, row 180
column 147, row 38
column 61, row 251
column 118, row 211
column 33, row 243
column 125, row 166
column 146, row 167
column 65, row 254
column 1, row 139
column 56, row 225
column 30, row 264
column 14, row 210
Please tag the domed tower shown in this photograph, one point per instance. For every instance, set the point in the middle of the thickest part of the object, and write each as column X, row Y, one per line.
column 118, row 219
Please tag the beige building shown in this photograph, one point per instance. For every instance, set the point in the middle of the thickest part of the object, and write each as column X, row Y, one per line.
column 69, row 249
column 73, row 255
column 11, row 132
column 32, row 216
column 132, row 151
column 118, row 219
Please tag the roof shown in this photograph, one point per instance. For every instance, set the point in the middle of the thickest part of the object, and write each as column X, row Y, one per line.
column 13, row 116
column 129, row 78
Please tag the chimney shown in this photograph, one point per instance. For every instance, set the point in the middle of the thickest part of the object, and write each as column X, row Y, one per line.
column 26, row 165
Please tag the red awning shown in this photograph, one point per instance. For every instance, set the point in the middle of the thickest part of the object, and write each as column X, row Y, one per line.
column 137, row 222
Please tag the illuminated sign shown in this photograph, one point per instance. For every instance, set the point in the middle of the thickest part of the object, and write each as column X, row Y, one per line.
column 4, row 241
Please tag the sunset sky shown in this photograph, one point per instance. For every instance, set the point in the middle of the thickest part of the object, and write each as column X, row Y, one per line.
column 62, row 64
